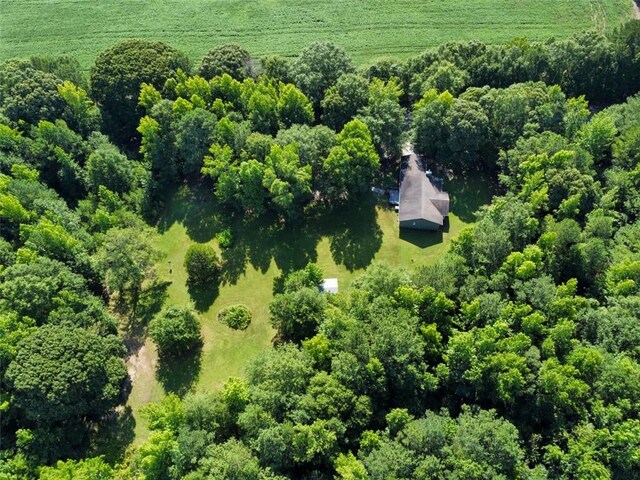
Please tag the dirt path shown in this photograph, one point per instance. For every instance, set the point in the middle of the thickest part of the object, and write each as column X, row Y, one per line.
column 636, row 9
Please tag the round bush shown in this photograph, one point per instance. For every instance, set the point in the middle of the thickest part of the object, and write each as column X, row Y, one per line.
column 237, row 317
column 201, row 263
column 176, row 331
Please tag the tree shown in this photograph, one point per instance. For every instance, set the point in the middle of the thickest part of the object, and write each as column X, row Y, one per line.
column 469, row 128
column 81, row 113
column 351, row 165
column 107, row 167
column 89, row 469
column 37, row 288
column 195, row 133
column 176, row 331
column 429, row 122
column 385, row 117
column 263, row 110
column 159, row 147
column 202, row 264
column 314, row 144
column 119, row 72
column 276, row 67
column 231, row 59
column 13, row 329
column 232, row 460
column 441, row 76
column 64, row 374
column 348, row 467
column 309, row 277
column 126, row 259
column 155, row 457
column 344, row 100
column 64, row 67
column 318, row 67
column 294, row 107
column 59, row 153
column 597, row 137
column 296, row 315
column 28, row 94
column 287, row 181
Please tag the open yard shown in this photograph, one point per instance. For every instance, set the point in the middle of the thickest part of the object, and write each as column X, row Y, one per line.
column 367, row 29
column 343, row 244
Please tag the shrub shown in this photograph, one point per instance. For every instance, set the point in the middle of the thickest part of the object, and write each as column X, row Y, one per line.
column 225, row 238
column 310, row 276
column 176, row 331
column 202, row 264
column 237, row 317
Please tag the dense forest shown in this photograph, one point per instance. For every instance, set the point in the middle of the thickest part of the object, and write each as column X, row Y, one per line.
column 515, row 356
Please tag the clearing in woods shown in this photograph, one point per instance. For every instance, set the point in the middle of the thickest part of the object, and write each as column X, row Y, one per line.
column 367, row 29
column 343, row 244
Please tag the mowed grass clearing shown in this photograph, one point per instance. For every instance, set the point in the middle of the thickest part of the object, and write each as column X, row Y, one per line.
column 343, row 244
column 367, row 29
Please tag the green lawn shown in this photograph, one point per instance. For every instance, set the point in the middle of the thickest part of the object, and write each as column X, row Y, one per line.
column 343, row 244
column 367, row 29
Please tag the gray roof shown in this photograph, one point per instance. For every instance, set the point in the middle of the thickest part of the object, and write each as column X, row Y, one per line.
column 420, row 196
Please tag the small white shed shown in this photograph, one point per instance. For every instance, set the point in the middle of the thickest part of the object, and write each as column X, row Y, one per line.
column 329, row 285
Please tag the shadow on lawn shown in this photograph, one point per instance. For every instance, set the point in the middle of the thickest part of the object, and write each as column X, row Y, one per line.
column 421, row 238
column 197, row 209
column 179, row 375
column 149, row 304
column 354, row 234
column 352, row 230
column 468, row 195
column 203, row 296
column 113, row 435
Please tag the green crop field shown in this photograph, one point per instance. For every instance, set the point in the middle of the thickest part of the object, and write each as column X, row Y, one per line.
column 342, row 244
column 368, row 29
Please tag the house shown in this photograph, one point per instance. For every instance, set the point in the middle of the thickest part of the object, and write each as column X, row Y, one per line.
column 423, row 204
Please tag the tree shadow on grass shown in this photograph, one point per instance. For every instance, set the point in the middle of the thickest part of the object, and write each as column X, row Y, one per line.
column 149, row 304
column 113, row 435
column 356, row 246
column 353, row 231
column 197, row 209
column 354, row 234
column 259, row 241
column 179, row 375
column 203, row 296
column 468, row 195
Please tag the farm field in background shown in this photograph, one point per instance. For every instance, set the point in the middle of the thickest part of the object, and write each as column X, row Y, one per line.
column 367, row 29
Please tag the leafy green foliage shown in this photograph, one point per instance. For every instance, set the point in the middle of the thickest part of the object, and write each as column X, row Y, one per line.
column 297, row 314
column 351, row 165
column 231, row 59
column 126, row 259
column 318, row 67
column 523, row 337
column 202, row 264
column 176, row 331
column 60, row 374
column 237, row 317
column 119, row 72
column 89, row 469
